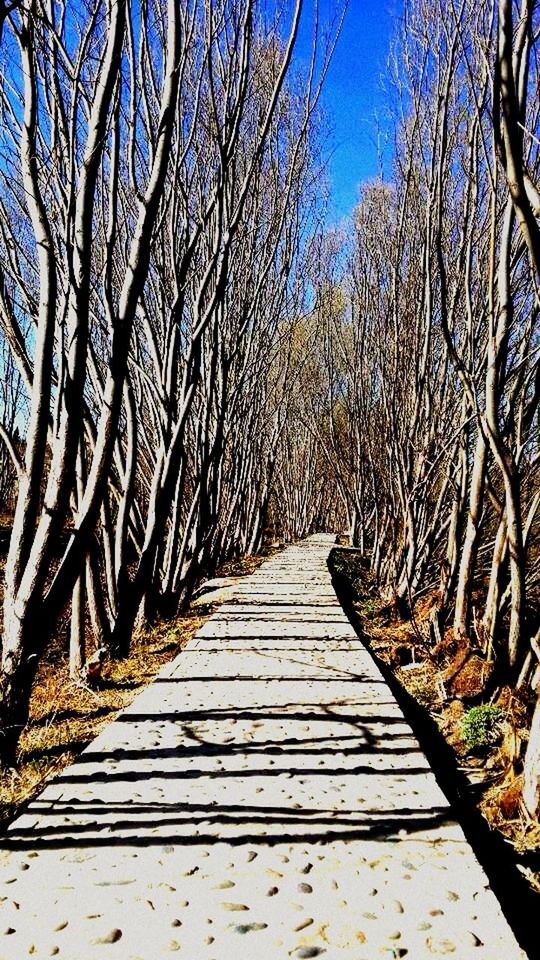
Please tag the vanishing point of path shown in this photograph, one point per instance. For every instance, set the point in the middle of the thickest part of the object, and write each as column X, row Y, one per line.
column 263, row 798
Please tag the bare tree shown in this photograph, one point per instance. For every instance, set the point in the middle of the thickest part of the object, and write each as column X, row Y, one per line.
column 160, row 176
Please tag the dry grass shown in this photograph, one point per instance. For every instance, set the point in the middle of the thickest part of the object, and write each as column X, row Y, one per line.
column 243, row 566
column 65, row 716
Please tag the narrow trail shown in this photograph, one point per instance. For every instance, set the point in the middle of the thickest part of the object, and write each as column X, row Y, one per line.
column 263, row 798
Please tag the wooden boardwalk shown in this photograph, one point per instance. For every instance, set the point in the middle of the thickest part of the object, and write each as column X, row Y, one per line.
column 263, row 798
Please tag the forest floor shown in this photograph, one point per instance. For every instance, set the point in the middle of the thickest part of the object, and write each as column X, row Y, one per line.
column 66, row 716
column 487, row 754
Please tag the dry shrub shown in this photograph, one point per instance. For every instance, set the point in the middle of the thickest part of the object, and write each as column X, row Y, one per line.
column 509, row 798
column 470, row 679
column 421, row 683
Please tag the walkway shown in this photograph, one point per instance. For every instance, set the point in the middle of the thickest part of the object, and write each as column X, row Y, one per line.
column 263, row 799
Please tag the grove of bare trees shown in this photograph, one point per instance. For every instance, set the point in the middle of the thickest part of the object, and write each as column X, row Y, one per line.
column 429, row 313
column 190, row 359
column 158, row 185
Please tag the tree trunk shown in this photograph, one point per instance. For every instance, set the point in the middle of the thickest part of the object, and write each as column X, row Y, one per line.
column 491, row 611
column 19, row 665
column 531, row 767
column 77, row 645
column 470, row 546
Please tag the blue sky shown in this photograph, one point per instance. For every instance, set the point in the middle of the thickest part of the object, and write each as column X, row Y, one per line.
column 354, row 95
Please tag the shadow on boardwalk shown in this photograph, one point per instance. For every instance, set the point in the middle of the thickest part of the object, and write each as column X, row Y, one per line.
column 335, row 755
